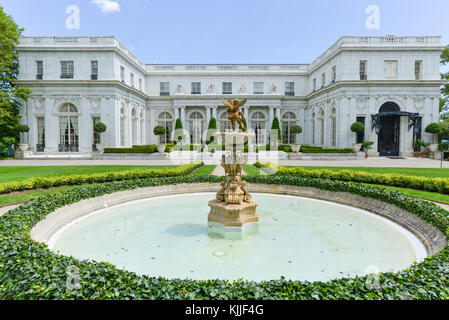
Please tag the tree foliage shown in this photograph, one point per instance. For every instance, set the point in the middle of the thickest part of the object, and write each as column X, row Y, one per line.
column 11, row 96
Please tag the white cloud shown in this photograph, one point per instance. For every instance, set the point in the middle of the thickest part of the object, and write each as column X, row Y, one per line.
column 107, row 5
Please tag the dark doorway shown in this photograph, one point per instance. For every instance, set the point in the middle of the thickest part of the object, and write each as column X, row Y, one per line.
column 389, row 136
column 389, row 129
column 361, row 135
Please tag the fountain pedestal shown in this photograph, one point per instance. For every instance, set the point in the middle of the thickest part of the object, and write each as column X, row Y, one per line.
column 233, row 212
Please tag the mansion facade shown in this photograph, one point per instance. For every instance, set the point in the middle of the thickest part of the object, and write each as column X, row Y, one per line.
column 391, row 84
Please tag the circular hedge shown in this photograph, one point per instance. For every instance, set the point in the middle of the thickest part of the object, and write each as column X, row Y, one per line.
column 28, row 270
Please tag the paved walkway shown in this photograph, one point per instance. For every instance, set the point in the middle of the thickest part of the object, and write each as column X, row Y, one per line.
column 370, row 162
column 4, row 210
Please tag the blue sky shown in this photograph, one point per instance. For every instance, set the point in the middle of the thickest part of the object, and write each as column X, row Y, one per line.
column 231, row 31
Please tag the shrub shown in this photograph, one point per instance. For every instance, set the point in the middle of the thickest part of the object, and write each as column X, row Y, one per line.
column 296, row 129
column 358, row 127
column 159, row 130
column 440, row 185
column 28, row 270
column 78, row 179
column 276, row 126
column 433, row 128
column 100, row 127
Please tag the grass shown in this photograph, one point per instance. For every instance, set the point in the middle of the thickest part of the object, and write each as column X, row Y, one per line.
column 422, row 172
column 21, row 197
column 9, row 174
column 204, row 171
column 251, row 170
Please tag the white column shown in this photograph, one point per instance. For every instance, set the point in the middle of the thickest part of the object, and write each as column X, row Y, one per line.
column 214, row 112
column 278, row 113
column 183, row 116
column 51, row 126
column 246, row 115
column 85, row 127
column 208, row 118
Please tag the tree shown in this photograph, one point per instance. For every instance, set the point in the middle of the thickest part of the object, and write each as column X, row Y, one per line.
column 276, row 126
column 444, row 101
column 211, row 130
column 358, row 128
column 11, row 96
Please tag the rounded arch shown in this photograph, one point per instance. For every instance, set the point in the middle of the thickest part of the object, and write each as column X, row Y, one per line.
column 68, row 108
column 389, row 106
column 165, row 116
column 196, row 115
column 134, row 124
column 258, row 115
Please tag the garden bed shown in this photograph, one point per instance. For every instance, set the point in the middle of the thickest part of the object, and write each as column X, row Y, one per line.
column 28, row 270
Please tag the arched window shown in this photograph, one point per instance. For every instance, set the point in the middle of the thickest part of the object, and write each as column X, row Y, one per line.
column 322, row 126
column 68, row 128
column 134, row 120
column 334, row 127
column 196, row 121
column 259, row 123
column 288, row 121
column 225, row 124
column 122, row 127
column 166, row 120
column 313, row 128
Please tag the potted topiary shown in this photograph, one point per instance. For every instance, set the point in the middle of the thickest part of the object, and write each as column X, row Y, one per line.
column 160, row 131
column 23, row 128
column 275, row 127
column 435, row 129
column 357, row 128
column 366, row 145
column 296, row 130
column 100, row 128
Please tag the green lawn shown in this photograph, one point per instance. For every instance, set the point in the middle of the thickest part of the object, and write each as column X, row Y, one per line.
column 423, row 172
column 204, row 171
column 21, row 197
column 9, row 174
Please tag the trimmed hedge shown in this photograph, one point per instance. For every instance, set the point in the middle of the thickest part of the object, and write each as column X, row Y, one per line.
column 306, row 149
column 79, row 179
column 28, row 270
column 440, row 185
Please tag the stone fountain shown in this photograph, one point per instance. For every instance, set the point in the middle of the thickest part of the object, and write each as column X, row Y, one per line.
column 233, row 212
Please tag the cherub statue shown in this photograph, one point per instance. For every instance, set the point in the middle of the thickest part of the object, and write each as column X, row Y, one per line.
column 234, row 112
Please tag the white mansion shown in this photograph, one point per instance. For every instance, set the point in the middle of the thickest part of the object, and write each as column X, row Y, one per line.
column 391, row 84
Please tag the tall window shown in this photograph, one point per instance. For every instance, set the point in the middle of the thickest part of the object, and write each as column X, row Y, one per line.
column 334, row 127
column 323, row 80
column 196, row 127
column 165, row 89
column 225, row 124
column 258, row 88
column 39, row 70
column 391, row 68
column 196, row 88
column 96, row 137
column 142, row 128
column 334, row 74
column 140, row 84
column 122, row 74
column 361, row 136
column 122, row 127
column 259, row 123
column 40, row 134
column 227, row 87
column 314, row 84
column 166, row 120
column 289, row 88
column 94, row 70
column 132, row 79
column 288, row 121
column 67, row 69
column 418, row 66
column 363, row 70
column 68, row 128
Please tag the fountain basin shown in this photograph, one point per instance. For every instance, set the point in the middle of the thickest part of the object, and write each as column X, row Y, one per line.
column 289, row 256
